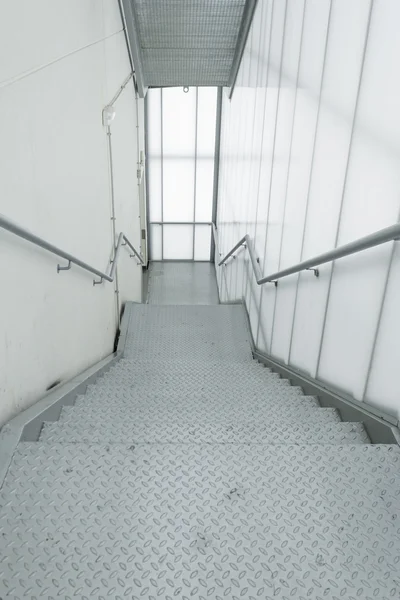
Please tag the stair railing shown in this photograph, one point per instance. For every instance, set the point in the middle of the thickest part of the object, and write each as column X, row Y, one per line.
column 38, row 241
column 377, row 238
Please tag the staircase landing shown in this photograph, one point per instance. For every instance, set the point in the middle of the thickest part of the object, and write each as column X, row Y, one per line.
column 179, row 283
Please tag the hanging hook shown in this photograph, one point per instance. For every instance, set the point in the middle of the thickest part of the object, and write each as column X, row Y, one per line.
column 59, row 268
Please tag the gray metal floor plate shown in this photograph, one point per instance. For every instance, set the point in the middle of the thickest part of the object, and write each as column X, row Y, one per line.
column 205, row 522
column 205, row 333
column 182, row 283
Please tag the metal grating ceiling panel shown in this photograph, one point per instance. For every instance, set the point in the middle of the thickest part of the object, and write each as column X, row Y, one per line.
column 187, row 42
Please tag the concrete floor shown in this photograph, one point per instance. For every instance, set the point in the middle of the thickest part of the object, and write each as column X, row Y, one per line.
column 182, row 283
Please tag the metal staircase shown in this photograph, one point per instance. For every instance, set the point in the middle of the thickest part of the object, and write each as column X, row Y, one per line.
column 188, row 470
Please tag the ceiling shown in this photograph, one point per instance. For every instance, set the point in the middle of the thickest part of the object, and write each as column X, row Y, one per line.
column 186, row 42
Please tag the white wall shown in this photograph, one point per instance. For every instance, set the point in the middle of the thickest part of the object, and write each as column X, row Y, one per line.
column 60, row 64
column 309, row 161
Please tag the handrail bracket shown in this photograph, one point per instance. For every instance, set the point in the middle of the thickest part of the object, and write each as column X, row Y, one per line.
column 316, row 271
column 59, row 268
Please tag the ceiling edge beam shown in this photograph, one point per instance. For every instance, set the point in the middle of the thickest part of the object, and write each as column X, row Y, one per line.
column 132, row 38
column 247, row 19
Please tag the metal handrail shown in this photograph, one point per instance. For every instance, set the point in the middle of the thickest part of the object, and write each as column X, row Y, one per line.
column 382, row 236
column 38, row 241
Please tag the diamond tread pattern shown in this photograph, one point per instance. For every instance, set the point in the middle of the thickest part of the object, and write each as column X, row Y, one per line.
column 199, row 385
column 202, row 333
column 190, row 471
column 192, row 283
column 179, row 432
column 207, row 522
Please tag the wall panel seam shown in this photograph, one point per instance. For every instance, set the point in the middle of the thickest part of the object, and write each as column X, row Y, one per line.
column 378, row 321
column 162, row 173
column 311, row 175
column 195, row 169
column 273, row 148
column 368, row 27
column 252, row 298
column 261, row 154
column 289, row 164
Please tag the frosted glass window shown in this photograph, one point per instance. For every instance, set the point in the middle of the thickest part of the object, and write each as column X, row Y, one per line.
column 179, row 122
column 202, row 242
column 178, row 189
column 204, row 188
column 154, row 122
column 155, row 191
column 206, row 121
column 155, row 242
column 181, row 148
column 178, row 242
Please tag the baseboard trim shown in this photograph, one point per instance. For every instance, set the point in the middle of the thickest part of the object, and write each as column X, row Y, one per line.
column 27, row 425
column 381, row 428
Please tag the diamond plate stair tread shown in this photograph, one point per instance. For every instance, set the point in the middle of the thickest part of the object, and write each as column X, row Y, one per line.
column 197, row 407
column 194, row 377
column 160, row 415
column 127, row 370
column 174, row 411
column 193, row 383
column 108, row 431
column 138, row 363
column 173, row 389
column 168, row 416
column 134, row 397
column 181, row 383
column 205, row 522
column 248, row 364
column 128, row 404
column 124, row 423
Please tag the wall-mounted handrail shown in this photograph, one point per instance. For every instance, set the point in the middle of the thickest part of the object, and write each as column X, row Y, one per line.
column 135, row 253
column 38, row 241
column 377, row 238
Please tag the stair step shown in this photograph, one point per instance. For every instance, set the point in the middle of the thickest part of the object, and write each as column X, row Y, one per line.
column 186, row 387
column 192, row 410
column 193, row 373
column 126, row 400
column 256, row 521
column 189, row 366
column 110, row 431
